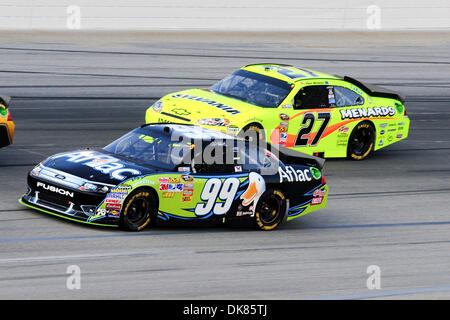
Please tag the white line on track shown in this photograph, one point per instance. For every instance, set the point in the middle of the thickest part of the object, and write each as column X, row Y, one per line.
column 32, row 152
column 91, row 256
column 389, row 293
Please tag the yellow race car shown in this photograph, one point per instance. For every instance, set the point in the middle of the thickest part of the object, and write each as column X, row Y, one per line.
column 7, row 125
column 308, row 111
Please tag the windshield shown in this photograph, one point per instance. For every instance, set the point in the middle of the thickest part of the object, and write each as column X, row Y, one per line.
column 253, row 88
column 148, row 146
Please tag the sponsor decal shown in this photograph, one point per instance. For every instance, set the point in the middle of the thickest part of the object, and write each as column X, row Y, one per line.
column 174, row 180
column 382, row 132
column 381, row 143
column 184, row 169
column 101, row 212
column 181, row 111
column 188, row 192
column 114, row 200
column 163, row 187
column 171, row 187
column 383, row 125
column 207, row 101
column 286, row 106
column 54, row 189
column 316, row 173
column 116, row 195
column 357, row 113
column 100, row 162
column 283, row 129
column 241, row 212
column 232, row 130
column 121, row 189
column 343, row 129
column 168, row 194
column 114, row 213
column 237, row 168
column 300, row 175
column 399, row 136
column 390, row 138
column 256, row 187
column 114, row 206
column 161, row 120
column 284, row 117
column 215, row 122
column 187, row 178
column 189, row 186
column 318, row 196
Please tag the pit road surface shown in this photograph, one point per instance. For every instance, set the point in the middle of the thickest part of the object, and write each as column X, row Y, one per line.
column 392, row 210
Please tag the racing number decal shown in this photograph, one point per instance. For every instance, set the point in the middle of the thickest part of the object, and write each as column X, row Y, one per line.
column 307, row 126
column 214, row 189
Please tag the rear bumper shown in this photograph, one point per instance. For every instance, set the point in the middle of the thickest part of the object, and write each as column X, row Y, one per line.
column 6, row 133
column 395, row 131
column 317, row 200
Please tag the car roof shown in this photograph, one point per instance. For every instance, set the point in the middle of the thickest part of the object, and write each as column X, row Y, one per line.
column 287, row 72
column 190, row 131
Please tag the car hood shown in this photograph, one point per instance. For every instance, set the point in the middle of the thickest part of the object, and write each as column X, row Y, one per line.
column 195, row 104
column 97, row 166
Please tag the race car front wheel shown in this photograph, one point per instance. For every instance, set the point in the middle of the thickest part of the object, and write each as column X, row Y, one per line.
column 361, row 142
column 270, row 210
column 138, row 210
column 253, row 133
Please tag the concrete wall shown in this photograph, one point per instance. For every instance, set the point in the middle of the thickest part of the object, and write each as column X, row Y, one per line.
column 252, row 15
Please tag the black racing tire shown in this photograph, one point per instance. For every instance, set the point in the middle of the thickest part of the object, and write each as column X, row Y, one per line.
column 139, row 209
column 257, row 128
column 361, row 142
column 270, row 210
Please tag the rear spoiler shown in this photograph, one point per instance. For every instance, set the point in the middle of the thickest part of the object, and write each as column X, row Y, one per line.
column 4, row 101
column 375, row 91
column 289, row 156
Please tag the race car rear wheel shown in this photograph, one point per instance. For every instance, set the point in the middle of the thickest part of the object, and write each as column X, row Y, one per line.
column 138, row 210
column 361, row 143
column 270, row 210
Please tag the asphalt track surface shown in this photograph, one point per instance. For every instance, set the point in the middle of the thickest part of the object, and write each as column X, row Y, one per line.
column 392, row 210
